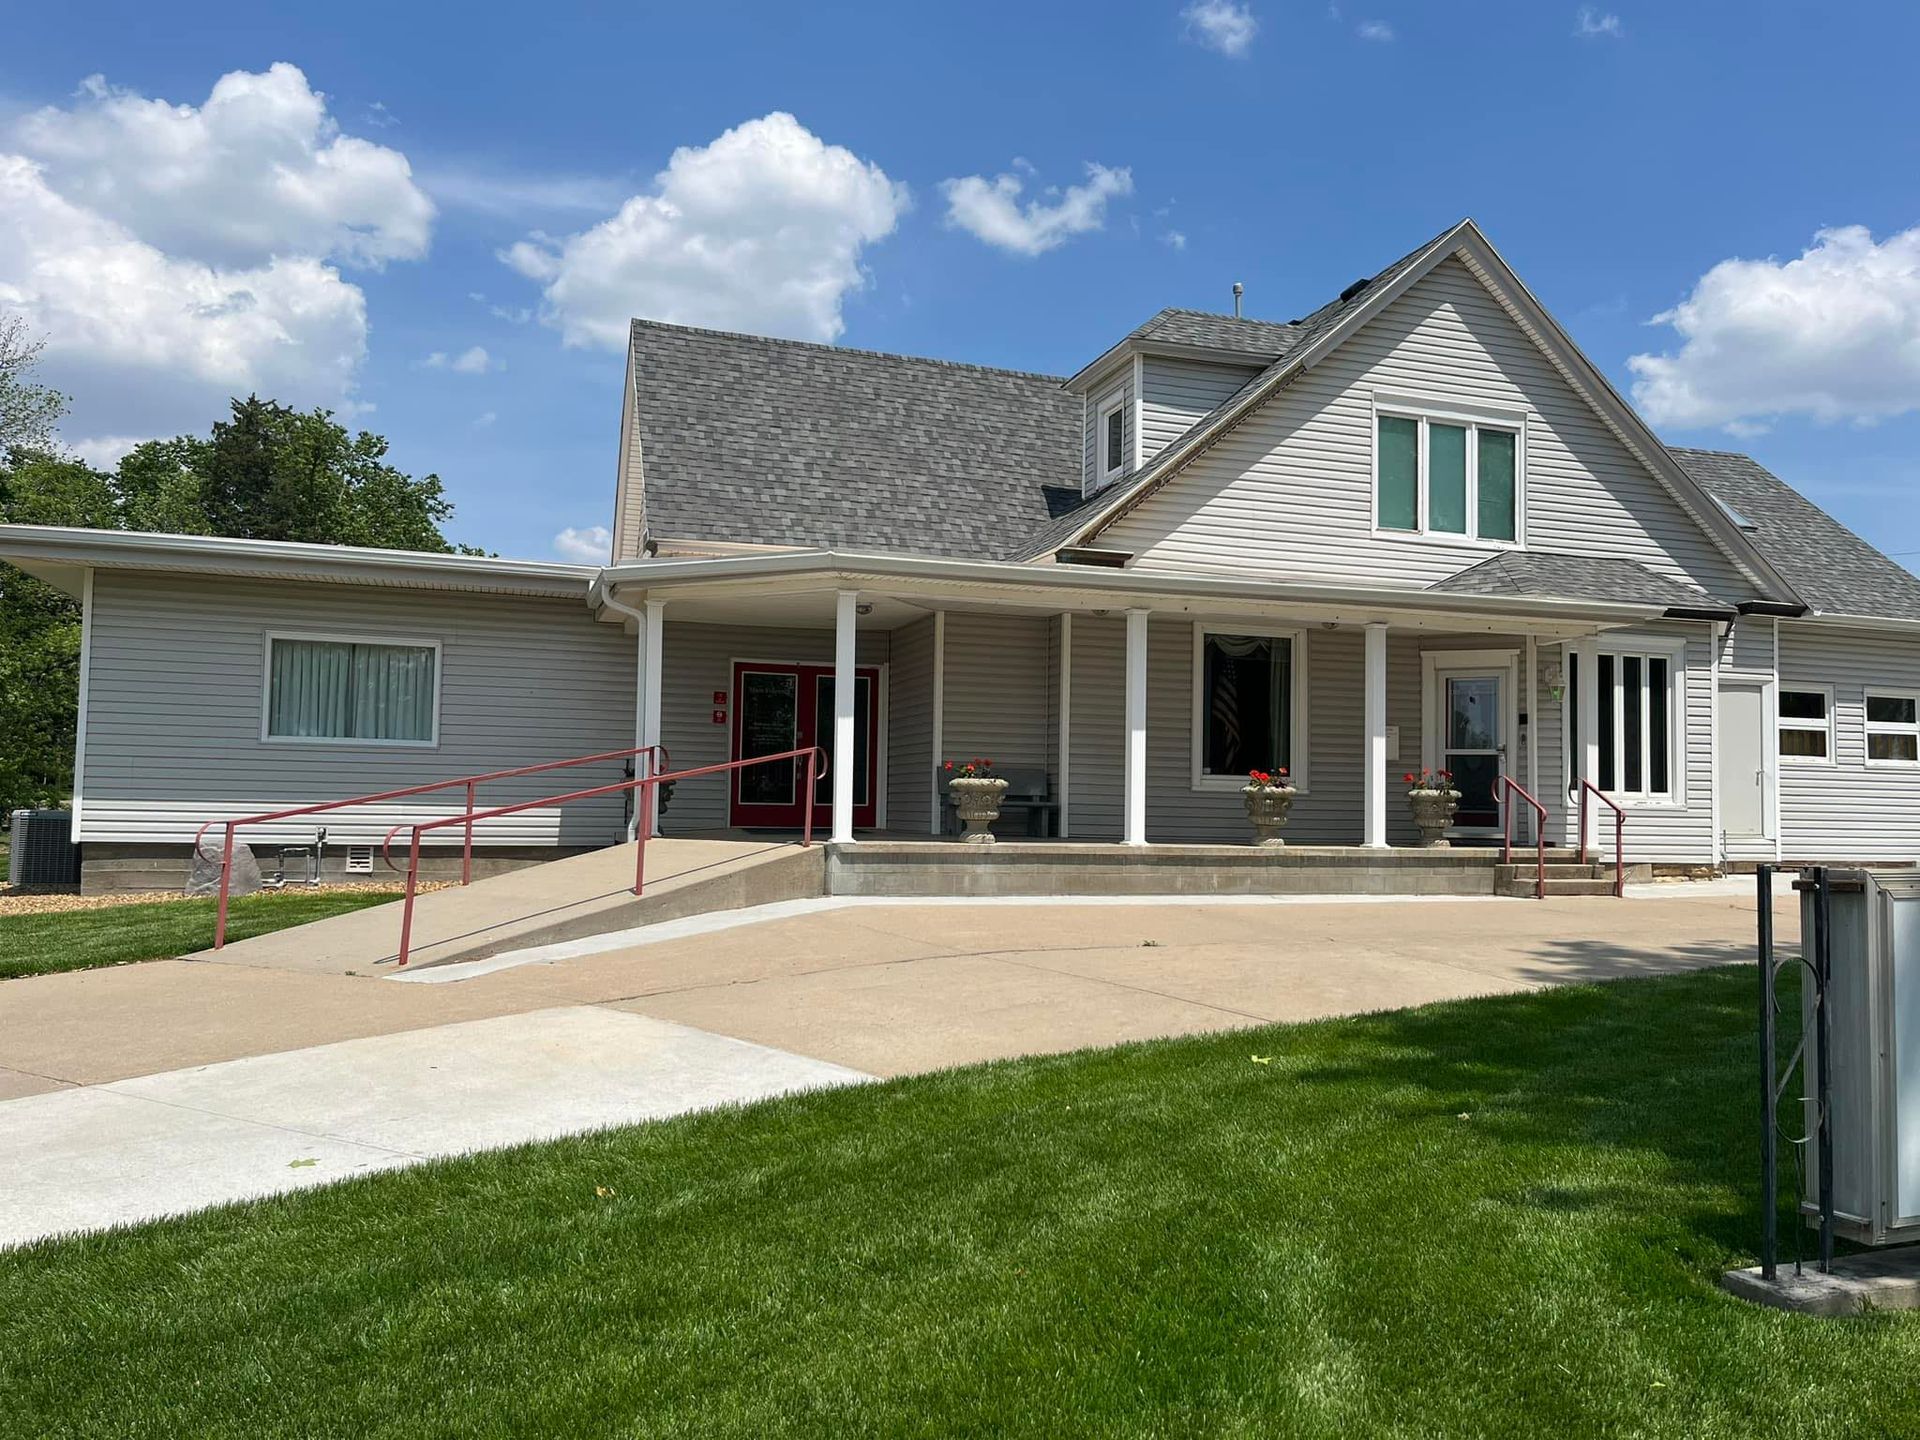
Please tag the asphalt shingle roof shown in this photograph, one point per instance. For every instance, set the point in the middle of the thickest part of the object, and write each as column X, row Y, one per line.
column 781, row 442
column 1828, row 566
column 1552, row 575
column 1207, row 331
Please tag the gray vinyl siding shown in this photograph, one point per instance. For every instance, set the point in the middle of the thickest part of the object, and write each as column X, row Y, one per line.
column 1848, row 810
column 1174, row 394
column 176, row 679
column 630, row 492
column 1748, row 647
column 999, row 690
column 1119, row 383
column 1097, row 719
column 910, row 757
column 1290, row 491
column 696, row 663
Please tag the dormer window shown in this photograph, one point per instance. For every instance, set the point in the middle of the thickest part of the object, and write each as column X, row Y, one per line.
column 1112, row 436
column 1447, row 475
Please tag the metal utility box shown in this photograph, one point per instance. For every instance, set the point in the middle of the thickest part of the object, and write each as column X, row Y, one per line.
column 42, row 850
column 1873, row 1020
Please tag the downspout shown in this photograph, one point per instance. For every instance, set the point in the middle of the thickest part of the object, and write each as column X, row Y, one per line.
column 639, row 619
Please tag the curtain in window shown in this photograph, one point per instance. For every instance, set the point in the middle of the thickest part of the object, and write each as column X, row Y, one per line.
column 1249, row 704
column 336, row 690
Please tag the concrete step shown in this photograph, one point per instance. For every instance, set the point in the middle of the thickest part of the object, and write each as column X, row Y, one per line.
column 1522, row 886
column 1556, row 870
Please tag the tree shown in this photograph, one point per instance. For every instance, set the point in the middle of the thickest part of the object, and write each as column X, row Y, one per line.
column 28, row 411
column 268, row 472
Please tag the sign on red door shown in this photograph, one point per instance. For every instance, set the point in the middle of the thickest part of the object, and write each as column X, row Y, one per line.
column 778, row 707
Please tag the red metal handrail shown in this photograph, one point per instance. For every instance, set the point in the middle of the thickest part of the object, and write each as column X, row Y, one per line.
column 1619, row 832
column 1504, row 790
column 656, row 756
column 815, row 756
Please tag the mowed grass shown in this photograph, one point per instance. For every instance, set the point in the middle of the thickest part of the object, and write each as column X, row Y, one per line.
column 1495, row 1217
column 117, row 934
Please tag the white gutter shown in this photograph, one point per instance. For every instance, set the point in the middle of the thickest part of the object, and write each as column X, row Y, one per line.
column 852, row 566
column 215, row 554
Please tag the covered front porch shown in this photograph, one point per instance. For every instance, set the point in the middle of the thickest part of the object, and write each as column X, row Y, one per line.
column 1126, row 707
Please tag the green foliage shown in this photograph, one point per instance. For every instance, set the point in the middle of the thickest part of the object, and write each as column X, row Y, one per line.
column 268, row 472
column 28, row 411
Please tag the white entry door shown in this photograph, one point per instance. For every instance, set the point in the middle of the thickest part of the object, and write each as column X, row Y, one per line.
column 1470, row 725
column 1743, row 761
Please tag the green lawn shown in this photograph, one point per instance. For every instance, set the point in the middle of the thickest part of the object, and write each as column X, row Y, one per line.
column 82, row 939
column 1496, row 1217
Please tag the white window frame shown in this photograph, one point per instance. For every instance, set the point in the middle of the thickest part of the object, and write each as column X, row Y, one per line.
column 1783, row 722
column 1108, row 468
column 412, row 642
column 1674, row 652
column 1473, row 418
column 1297, row 770
column 1888, row 727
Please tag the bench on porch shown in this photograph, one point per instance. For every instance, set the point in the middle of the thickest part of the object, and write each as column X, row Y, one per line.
column 1029, row 798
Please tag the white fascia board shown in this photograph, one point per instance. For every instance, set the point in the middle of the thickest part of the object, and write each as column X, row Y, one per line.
column 1832, row 621
column 1101, row 586
column 29, row 545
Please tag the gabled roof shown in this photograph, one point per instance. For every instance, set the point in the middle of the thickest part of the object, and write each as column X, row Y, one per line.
column 1196, row 332
column 1324, row 330
column 758, row 441
column 1557, row 576
column 1829, row 567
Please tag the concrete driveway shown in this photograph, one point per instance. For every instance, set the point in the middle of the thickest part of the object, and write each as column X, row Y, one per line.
column 822, row 992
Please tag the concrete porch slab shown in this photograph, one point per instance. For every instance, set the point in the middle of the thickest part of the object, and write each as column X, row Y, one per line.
column 1857, row 1285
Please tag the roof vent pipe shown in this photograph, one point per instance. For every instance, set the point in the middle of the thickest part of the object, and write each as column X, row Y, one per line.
column 1238, row 291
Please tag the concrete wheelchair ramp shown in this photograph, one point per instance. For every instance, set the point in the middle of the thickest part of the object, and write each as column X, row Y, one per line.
column 570, row 899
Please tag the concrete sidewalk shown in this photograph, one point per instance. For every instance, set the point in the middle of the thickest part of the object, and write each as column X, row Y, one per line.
column 167, row 1144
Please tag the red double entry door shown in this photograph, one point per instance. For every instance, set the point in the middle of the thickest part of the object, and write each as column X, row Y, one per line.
column 780, row 707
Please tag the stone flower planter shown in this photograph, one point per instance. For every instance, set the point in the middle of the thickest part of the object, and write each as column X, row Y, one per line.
column 1433, row 812
column 1267, row 809
column 977, row 803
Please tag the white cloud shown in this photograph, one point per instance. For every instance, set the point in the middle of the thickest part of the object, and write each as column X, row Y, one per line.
column 761, row 230
column 1221, row 25
column 1592, row 24
column 487, row 190
column 991, row 210
column 484, row 420
column 1174, row 240
column 149, row 343
column 472, row 361
column 259, row 171
column 592, row 545
column 1375, row 30
column 1833, row 334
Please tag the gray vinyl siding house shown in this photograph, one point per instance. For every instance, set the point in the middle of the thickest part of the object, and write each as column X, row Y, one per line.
column 1222, row 576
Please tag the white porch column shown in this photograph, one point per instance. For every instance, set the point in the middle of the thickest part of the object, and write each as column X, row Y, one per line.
column 1135, row 831
column 843, row 696
column 1530, row 708
column 937, row 807
column 1374, row 726
column 652, row 658
column 1589, row 757
column 1065, row 767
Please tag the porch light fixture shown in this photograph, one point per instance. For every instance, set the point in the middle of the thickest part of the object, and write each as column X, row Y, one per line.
column 865, row 607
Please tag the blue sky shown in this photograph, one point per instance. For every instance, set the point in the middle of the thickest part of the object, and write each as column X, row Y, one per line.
column 1009, row 184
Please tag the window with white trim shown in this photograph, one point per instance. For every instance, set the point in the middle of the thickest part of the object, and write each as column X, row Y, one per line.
column 1111, row 435
column 1247, row 701
column 1451, row 477
column 1893, row 728
column 324, row 688
column 1806, row 725
column 1637, row 713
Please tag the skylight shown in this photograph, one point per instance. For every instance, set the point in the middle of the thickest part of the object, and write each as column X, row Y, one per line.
column 1732, row 514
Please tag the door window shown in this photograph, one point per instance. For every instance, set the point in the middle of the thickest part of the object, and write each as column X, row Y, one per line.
column 769, row 724
column 1473, row 746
